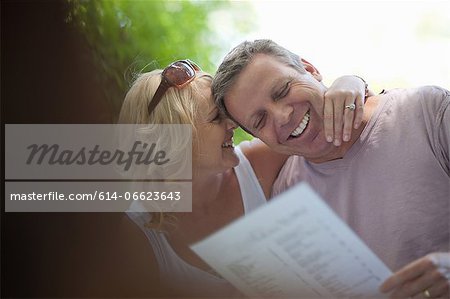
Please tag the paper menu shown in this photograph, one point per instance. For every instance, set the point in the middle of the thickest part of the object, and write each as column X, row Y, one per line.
column 295, row 246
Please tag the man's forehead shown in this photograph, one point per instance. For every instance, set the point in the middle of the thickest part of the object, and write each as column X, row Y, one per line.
column 258, row 78
column 262, row 67
column 265, row 61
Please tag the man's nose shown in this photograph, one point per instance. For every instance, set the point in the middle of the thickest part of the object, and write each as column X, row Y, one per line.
column 282, row 114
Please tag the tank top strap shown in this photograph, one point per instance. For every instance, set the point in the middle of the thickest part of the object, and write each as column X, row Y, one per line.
column 251, row 190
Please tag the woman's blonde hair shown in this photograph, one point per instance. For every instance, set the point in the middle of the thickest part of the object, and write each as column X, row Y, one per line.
column 177, row 106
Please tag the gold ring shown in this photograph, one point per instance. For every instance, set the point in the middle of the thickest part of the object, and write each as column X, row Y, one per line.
column 427, row 294
column 351, row 107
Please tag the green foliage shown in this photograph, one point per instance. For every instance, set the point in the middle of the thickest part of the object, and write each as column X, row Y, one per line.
column 240, row 135
column 127, row 37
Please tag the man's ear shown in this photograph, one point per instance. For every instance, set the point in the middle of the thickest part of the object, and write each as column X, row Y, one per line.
column 311, row 69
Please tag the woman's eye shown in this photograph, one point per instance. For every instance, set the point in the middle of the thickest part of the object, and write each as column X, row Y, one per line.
column 217, row 117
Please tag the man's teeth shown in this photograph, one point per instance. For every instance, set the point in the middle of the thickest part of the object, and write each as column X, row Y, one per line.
column 227, row 144
column 302, row 126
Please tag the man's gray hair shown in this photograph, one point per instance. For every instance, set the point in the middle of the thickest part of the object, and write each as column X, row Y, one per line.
column 238, row 58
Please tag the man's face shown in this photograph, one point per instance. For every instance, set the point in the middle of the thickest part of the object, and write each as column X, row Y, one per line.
column 281, row 106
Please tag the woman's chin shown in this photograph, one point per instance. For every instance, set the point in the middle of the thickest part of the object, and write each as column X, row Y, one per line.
column 230, row 156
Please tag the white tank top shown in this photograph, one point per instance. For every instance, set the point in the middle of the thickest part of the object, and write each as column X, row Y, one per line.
column 173, row 269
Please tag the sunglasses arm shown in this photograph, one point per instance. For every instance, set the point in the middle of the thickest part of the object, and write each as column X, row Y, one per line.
column 162, row 88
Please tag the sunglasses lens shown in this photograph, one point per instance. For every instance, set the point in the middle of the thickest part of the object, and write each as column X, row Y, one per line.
column 179, row 73
column 194, row 65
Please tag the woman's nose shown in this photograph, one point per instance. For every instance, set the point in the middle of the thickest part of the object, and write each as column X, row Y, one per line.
column 230, row 124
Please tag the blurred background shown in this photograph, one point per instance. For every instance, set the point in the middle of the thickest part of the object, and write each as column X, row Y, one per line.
column 72, row 61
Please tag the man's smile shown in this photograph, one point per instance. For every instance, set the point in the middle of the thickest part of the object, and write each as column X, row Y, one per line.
column 302, row 126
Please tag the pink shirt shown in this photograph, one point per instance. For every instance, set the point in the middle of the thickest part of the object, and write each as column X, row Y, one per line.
column 393, row 186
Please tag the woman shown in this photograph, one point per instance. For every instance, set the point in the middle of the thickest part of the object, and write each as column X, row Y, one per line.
column 227, row 182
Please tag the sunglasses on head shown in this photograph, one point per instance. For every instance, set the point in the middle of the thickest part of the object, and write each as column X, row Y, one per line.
column 178, row 74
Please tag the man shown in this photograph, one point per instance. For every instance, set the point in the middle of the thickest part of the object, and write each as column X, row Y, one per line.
column 390, row 181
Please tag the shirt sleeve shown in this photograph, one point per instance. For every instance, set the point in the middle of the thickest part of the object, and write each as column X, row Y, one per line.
column 443, row 130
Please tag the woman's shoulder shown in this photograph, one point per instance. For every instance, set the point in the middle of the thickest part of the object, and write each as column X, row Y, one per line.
column 265, row 162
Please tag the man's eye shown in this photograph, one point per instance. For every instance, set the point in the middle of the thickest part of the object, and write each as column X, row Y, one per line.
column 260, row 122
column 217, row 117
column 284, row 90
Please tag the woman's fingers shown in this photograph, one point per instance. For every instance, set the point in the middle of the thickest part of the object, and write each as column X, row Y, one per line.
column 359, row 112
column 328, row 118
column 348, row 118
column 338, row 120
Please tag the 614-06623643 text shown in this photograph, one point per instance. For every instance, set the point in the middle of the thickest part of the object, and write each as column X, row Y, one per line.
column 100, row 195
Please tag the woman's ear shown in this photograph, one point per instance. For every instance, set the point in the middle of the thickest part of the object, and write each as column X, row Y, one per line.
column 311, row 69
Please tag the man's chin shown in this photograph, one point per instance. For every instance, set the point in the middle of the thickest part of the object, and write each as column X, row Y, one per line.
column 318, row 152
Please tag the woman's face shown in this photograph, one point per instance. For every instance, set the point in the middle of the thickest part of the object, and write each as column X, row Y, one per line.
column 213, row 144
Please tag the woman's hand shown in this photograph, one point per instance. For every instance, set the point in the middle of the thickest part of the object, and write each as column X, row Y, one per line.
column 427, row 277
column 339, row 118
